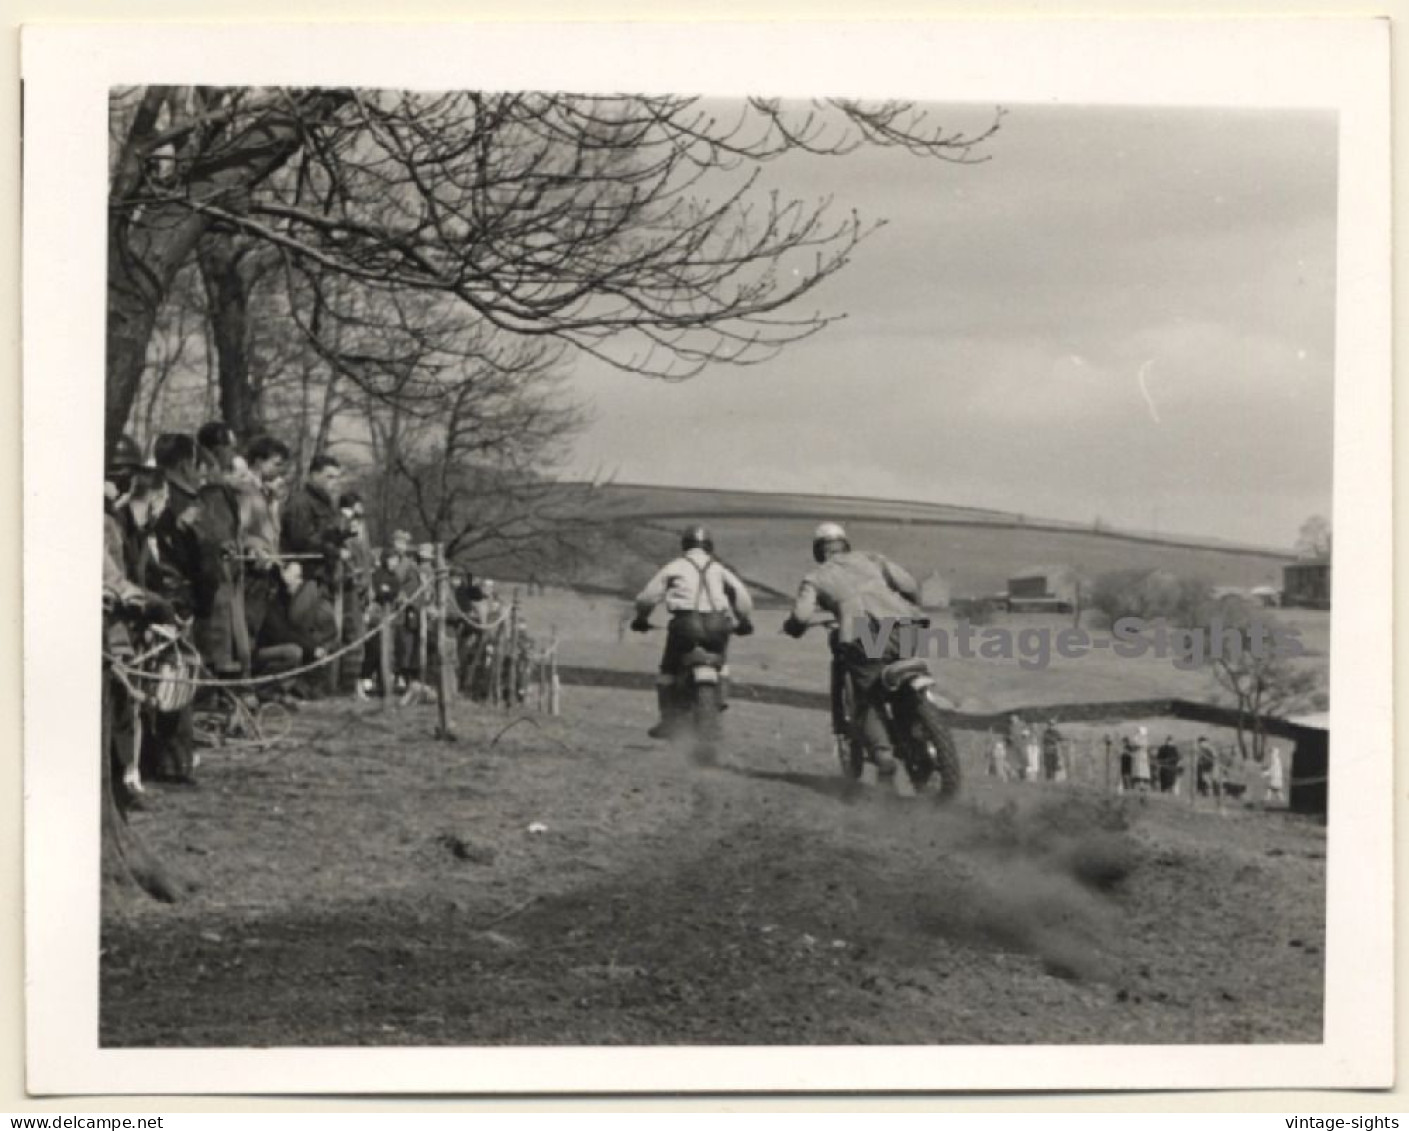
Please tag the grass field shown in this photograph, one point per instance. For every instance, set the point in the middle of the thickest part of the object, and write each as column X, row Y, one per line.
column 569, row 882
column 592, row 632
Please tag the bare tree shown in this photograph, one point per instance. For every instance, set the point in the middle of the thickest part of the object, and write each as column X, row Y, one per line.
column 1313, row 540
column 635, row 229
column 176, row 153
column 163, row 394
column 1260, row 680
column 471, row 455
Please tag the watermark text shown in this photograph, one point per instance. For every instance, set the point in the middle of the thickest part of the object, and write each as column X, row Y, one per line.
column 1130, row 638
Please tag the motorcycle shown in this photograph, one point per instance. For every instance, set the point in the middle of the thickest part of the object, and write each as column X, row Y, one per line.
column 700, row 688
column 913, row 714
column 699, row 696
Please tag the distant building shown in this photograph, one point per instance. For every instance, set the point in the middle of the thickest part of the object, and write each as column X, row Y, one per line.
column 1267, row 596
column 1307, row 584
column 1310, row 765
column 934, row 592
column 1052, row 588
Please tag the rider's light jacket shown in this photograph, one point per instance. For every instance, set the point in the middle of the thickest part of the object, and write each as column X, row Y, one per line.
column 696, row 581
column 857, row 586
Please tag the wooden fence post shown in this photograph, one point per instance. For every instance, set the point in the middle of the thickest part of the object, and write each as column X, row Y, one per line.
column 512, row 680
column 555, row 703
column 442, row 683
column 384, row 648
column 422, row 644
column 478, row 660
column 494, row 656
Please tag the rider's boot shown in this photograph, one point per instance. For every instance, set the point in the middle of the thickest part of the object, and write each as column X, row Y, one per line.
column 887, row 771
column 879, row 743
column 665, row 703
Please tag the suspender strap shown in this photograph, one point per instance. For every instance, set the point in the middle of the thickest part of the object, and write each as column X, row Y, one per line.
column 703, row 571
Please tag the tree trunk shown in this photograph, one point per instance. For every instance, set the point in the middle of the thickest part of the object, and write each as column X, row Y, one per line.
column 327, row 414
column 227, row 288
column 149, row 242
column 127, row 865
column 156, row 400
column 305, row 412
column 143, row 258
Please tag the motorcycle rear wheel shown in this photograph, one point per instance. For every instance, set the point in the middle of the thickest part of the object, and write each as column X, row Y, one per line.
column 707, row 726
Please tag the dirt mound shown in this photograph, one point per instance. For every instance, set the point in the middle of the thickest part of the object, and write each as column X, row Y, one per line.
column 466, row 848
column 1040, row 879
column 1085, row 837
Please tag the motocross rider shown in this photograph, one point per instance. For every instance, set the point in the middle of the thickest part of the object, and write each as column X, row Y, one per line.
column 853, row 586
column 699, row 593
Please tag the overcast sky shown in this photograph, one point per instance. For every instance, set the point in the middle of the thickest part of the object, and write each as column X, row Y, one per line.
column 1125, row 313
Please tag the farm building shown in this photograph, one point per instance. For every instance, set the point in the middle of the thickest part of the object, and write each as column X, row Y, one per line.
column 1266, row 596
column 1043, row 587
column 1307, row 584
column 934, row 592
column 1309, row 772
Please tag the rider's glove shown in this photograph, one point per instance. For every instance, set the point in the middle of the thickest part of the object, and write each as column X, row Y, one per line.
column 641, row 624
column 744, row 627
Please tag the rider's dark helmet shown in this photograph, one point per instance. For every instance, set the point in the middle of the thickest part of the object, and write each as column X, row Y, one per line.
column 123, row 454
column 122, row 459
column 697, row 538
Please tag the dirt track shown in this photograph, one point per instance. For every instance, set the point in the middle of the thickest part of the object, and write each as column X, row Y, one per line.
column 372, row 886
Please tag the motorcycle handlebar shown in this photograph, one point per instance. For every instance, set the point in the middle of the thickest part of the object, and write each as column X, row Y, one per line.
column 649, row 627
column 828, row 623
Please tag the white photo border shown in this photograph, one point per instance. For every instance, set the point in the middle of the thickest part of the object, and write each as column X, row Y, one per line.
column 1327, row 63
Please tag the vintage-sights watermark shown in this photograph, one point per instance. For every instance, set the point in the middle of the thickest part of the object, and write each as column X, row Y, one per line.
column 1130, row 638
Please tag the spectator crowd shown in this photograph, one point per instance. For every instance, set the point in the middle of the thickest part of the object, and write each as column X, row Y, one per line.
column 269, row 588
column 1032, row 753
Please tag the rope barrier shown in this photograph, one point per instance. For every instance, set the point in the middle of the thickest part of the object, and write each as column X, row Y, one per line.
column 143, row 657
column 491, row 635
column 488, row 626
column 123, row 669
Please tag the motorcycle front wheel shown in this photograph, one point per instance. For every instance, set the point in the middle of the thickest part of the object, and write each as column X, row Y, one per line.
column 851, row 749
column 931, row 751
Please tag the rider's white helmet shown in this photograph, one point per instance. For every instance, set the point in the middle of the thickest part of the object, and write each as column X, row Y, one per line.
column 824, row 535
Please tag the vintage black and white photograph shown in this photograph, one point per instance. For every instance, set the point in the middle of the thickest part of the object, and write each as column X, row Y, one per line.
column 670, row 569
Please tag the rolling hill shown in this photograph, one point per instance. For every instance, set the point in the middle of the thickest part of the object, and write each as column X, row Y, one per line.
column 767, row 537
